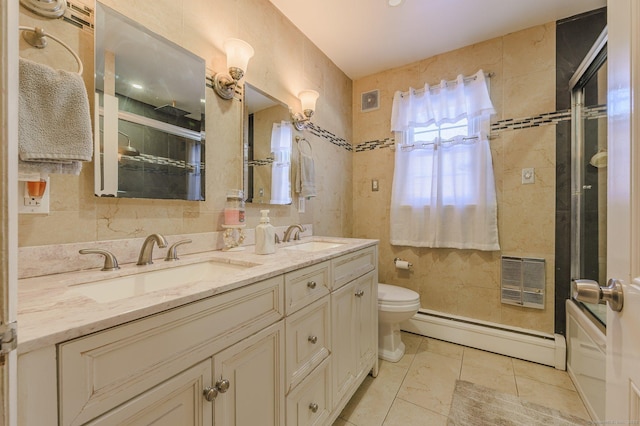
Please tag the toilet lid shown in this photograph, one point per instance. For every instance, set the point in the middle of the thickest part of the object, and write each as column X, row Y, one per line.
column 392, row 293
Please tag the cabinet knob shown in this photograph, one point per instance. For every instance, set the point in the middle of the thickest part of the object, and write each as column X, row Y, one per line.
column 311, row 284
column 359, row 293
column 313, row 339
column 313, row 407
column 210, row 393
column 222, row 385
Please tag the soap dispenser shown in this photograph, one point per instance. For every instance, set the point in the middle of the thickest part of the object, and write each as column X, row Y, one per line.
column 265, row 235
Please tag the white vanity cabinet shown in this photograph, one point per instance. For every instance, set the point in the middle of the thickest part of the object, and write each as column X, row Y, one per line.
column 289, row 350
column 332, row 339
column 121, row 368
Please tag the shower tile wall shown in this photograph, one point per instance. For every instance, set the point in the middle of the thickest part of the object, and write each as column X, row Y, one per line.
column 467, row 282
column 285, row 63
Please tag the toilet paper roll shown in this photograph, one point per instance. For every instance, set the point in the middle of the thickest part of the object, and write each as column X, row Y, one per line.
column 402, row 264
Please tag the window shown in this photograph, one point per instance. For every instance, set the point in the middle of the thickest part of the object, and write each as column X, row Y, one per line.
column 443, row 187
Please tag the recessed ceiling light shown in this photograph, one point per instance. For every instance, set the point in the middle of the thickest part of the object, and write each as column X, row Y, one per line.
column 136, row 86
column 394, row 3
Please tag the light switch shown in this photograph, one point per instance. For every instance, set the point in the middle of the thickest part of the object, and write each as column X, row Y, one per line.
column 528, row 176
column 374, row 185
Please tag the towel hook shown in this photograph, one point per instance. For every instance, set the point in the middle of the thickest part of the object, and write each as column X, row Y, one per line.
column 36, row 37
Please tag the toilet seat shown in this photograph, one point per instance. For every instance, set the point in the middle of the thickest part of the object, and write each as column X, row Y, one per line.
column 393, row 298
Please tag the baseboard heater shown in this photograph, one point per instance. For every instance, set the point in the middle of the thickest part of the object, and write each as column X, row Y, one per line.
column 529, row 345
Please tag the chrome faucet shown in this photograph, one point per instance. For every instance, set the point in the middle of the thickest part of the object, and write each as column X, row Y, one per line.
column 110, row 261
column 287, row 234
column 172, row 253
column 146, row 251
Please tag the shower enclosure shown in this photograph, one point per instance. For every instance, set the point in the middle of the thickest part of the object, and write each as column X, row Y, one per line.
column 586, row 322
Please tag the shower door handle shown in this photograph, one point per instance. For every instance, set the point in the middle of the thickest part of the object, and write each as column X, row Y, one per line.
column 590, row 291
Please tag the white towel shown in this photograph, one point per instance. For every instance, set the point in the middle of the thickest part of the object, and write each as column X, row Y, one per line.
column 305, row 176
column 54, row 131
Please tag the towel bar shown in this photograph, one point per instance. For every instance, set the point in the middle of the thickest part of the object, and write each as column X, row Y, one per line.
column 35, row 36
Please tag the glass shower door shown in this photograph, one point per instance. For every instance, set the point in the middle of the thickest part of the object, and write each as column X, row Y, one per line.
column 589, row 177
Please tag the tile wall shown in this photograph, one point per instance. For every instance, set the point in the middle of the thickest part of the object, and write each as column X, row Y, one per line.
column 285, row 62
column 467, row 282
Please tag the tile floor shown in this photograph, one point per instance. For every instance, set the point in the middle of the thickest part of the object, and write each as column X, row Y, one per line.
column 418, row 389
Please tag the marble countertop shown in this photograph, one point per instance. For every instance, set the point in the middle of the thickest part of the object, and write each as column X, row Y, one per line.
column 51, row 309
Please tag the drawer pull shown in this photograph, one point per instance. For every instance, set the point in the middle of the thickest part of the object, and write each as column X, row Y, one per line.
column 359, row 293
column 313, row 407
column 311, row 284
column 313, row 339
column 221, row 386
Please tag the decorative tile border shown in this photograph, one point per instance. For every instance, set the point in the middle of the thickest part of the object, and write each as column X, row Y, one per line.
column 258, row 163
column 535, row 121
column 128, row 163
column 595, row 112
column 316, row 130
column 371, row 145
column 79, row 15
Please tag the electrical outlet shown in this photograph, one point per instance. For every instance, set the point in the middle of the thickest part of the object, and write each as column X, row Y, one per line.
column 528, row 176
column 33, row 205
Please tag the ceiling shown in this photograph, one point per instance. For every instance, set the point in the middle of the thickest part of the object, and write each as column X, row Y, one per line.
column 363, row 37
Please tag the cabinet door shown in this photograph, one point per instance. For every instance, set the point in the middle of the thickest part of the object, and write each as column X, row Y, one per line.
column 343, row 330
column 178, row 401
column 366, row 306
column 254, row 369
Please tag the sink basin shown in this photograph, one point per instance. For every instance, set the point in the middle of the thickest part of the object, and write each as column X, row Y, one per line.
column 314, row 246
column 126, row 286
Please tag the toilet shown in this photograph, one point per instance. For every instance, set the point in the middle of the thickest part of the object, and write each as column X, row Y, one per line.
column 395, row 304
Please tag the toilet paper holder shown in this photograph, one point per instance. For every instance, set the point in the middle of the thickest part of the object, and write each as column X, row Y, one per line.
column 402, row 264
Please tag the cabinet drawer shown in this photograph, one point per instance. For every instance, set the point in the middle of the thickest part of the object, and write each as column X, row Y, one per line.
column 353, row 265
column 307, row 340
column 306, row 285
column 102, row 370
column 310, row 402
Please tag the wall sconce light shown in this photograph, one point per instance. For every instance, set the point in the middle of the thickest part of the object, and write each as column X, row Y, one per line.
column 308, row 100
column 238, row 54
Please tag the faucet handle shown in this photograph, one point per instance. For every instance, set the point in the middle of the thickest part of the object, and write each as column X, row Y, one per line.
column 276, row 238
column 172, row 253
column 110, row 261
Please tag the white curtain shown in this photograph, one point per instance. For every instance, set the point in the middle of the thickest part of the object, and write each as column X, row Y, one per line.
column 443, row 187
column 281, row 145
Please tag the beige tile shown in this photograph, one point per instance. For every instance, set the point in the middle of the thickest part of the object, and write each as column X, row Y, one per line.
column 487, row 377
column 412, row 343
column 371, row 402
column 498, row 364
column 543, row 374
column 440, row 347
column 404, row 413
column 430, row 382
column 551, row 396
column 530, row 50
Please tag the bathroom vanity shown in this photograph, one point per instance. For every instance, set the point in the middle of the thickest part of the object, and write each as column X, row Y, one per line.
column 287, row 339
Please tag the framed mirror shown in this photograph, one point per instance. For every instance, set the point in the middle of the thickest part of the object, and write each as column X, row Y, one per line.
column 268, row 141
column 150, row 113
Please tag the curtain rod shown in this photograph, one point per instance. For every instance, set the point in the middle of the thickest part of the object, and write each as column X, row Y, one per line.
column 439, row 86
column 408, row 147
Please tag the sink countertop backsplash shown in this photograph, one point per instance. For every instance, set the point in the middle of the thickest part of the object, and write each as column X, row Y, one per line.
column 59, row 258
column 51, row 310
